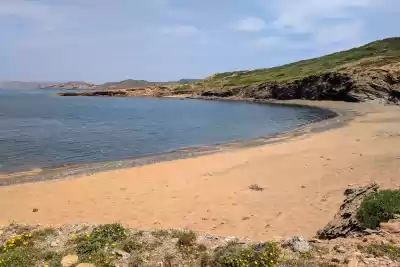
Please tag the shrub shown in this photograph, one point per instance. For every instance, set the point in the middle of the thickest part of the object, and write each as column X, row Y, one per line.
column 91, row 246
column 267, row 254
column 256, row 187
column 380, row 250
column 379, row 207
column 185, row 238
column 19, row 257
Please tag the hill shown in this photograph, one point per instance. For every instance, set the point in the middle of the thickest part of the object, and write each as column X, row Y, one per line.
column 71, row 85
column 370, row 71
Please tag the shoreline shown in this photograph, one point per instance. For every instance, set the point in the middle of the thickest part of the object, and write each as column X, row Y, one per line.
column 303, row 180
column 330, row 118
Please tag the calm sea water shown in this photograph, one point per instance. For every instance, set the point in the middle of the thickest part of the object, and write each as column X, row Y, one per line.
column 38, row 129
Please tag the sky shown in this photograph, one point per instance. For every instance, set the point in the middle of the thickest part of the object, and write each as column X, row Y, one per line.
column 161, row 40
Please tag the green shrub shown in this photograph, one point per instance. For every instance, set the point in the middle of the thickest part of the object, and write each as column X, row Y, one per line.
column 19, row 257
column 379, row 207
column 267, row 254
column 90, row 247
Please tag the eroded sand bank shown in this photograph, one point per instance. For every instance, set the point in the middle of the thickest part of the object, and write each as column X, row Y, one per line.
column 303, row 180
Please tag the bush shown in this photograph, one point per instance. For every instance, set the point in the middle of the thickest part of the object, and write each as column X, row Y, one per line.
column 379, row 207
column 90, row 247
column 381, row 250
column 185, row 238
column 267, row 254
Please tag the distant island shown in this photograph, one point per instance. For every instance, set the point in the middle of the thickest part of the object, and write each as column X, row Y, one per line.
column 125, row 84
column 366, row 73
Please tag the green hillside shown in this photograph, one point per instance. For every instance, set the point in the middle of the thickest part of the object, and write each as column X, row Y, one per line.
column 375, row 54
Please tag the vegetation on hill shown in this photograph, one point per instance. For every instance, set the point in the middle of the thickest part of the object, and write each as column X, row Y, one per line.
column 379, row 207
column 375, row 54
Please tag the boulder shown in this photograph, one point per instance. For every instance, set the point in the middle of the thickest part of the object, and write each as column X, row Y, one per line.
column 392, row 227
column 345, row 222
column 299, row 244
column 69, row 260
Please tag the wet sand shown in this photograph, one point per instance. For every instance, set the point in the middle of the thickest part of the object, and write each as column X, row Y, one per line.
column 303, row 180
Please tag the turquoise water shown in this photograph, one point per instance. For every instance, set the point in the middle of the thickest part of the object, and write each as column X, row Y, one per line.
column 38, row 129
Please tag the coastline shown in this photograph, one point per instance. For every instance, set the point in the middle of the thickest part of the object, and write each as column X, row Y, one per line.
column 330, row 118
column 303, row 179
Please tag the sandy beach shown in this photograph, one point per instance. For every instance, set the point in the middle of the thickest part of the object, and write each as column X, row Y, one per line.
column 303, row 180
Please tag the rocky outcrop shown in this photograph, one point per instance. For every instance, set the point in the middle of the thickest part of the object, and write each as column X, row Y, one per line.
column 328, row 86
column 156, row 91
column 345, row 222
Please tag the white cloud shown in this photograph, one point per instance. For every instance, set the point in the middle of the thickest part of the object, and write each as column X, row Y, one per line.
column 301, row 16
column 180, row 30
column 323, row 23
column 251, row 24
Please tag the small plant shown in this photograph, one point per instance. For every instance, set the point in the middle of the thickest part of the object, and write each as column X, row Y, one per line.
column 185, row 238
column 160, row 233
column 267, row 254
column 19, row 257
column 17, row 240
column 379, row 207
column 90, row 247
column 256, row 187
column 42, row 234
column 380, row 250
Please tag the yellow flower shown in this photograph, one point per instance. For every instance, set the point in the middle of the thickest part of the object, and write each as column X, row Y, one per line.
column 46, row 265
column 113, row 244
column 73, row 235
column 87, row 235
column 25, row 243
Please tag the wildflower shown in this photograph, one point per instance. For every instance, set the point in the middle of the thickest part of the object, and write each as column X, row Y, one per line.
column 25, row 243
column 73, row 236
column 113, row 244
column 46, row 265
column 87, row 235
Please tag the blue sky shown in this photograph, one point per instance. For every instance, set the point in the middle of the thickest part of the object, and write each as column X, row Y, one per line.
column 110, row 40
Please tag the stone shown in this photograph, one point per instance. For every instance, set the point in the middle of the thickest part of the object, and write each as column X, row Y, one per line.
column 392, row 227
column 122, row 254
column 35, row 210
column 85, row 265
column 299, row 244
column 335, row 260
column 352, row 262
column 340, row 249
column 345, row 222
column 54, row 244
column 69, row 260
column 231, row 239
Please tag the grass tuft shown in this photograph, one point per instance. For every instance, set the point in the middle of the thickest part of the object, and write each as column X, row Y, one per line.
column 380, row 250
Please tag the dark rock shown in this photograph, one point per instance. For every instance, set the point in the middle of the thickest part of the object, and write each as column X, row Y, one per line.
column 35, row 210
column 328, row 86
column 345, row 222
